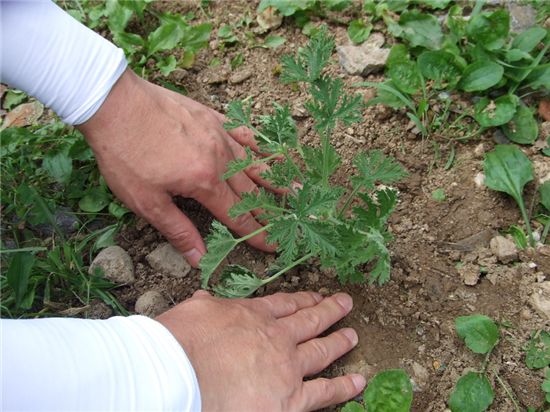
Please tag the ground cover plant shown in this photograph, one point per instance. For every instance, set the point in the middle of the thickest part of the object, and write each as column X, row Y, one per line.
column 313, row 219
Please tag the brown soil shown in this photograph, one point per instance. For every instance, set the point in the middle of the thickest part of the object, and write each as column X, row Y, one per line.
column 409, row 322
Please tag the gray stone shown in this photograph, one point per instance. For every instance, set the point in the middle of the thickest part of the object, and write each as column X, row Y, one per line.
column 469, row 273
column 504, row 249
column 420, row 376
column 115, row 264
column 168, row 260
column 240, row 76
column 366, row 58
column 522, row 17
column 540, row 299
column 151, row 304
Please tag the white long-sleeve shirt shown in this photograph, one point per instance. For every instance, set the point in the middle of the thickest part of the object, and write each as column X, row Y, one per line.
column 119, row 364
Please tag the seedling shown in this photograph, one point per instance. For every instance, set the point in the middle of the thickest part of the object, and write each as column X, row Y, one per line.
column 537, row 352
column 343, row 228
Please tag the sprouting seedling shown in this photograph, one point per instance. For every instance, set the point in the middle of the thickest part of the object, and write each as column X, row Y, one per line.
column 343, row 229
column 508, row 170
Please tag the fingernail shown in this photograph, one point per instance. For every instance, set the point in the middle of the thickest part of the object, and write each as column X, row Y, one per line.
column 359, row 381
column 193, row 256
column 351, row 335
column 345, row 301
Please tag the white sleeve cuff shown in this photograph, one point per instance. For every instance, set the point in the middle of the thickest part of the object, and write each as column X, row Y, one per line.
column 51, row 56
column 119, row 364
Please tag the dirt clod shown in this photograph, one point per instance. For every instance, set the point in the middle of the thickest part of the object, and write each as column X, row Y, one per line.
column 169, row 261
column 116, row 265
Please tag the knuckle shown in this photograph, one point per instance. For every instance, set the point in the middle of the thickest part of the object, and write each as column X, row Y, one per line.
column 313, row 320
column 321, row 351
column 327, row 389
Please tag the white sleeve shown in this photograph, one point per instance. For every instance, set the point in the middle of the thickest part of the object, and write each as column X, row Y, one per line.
column 51, row 56
column 118, row 364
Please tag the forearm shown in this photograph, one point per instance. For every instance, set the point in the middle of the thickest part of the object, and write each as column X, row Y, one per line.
column 51, row 56
column 119, row 364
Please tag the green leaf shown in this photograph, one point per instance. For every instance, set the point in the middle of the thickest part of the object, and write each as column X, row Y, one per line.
column 489, row 113
column 95, row 200
column 439, row 66
column 165, row 37
column 490, row 30
column 316, row 162
column 117, row 210
column 59, row 166
column 529, row 39
column 473, row 393
column 523, row 127
column 544, row 190
column 237, row 282
column 389, row 391
column 219, row 243
column 272, row 42
column 439, row 195
column 238, row 165
column 238, row 113
column 514, row 55
column 167, row 65
column 359, row 31
column 481, row 75
column 237, row 61
column 13, row 98
column 18, row 274
column 421, row 29
column 279, row 127
column 519, row 236
column 375, row 167
column 255, row 200
column 405, row 75
column 479, row 332
column 456, row 22
column 435, row 4
column 507, row 169
column 537, row 353
column 353, row 407
column 286, row 7
column 225, row 33
column 539, row 78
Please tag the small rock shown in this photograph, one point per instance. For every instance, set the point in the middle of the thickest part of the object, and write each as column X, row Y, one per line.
column 366, row 58
column 99, row 310
column 526, row 314
column 420, row 375
column 479, row 151
column 23, row 115
column 217, row 77
column 500, row 138
column 504, row 249
column 542, row 170
column 166, row 259
column 240, row 76
column 469, row 273
column 544, row 109
column 116, row 265
column 270, row 18
column 361, row 367
column 324, row 291
column 522, row 17
column 479, row 180
column 295, row 280
column 313, row 278
column 151, row 304
column 65, row 221
column 540, row 299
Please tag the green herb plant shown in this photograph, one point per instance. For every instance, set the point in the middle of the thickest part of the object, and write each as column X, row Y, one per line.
column 343, row 229
column 389, row 391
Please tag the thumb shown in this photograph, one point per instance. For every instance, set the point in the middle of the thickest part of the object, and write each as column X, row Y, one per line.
column 179, row 231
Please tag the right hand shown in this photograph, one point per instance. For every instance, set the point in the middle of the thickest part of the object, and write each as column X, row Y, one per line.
column 253, row 354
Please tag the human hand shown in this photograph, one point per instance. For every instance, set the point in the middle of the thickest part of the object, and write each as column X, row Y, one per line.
column 152, row 144
column 253, row 354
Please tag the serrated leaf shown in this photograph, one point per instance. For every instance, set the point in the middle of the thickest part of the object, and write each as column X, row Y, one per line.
column 280, row 127
column 481, row 75
column 316, row 162
column 537, row 353
column 237, row 282
column 389, row 391
column 238, row 113
column 377, row 213
column 507, row 169
column 374, row 167
column 490, row 113
column 479, row 332
column 523, row 127
column 252, row 200
column 285, row 232
column 238, row 165
column 473, row 393
column 219, row 243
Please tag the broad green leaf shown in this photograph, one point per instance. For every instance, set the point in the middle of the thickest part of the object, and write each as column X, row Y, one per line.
column 537, row 353
column 539, row 78
column 118, row 14
column 196, row 37
column 529, row 39
column 219, row 243
column 490, row 113
column 286, row 7
column 439, row 66
column 434, row 4
column 95, row 200
column 490, row 30
column 481, row 75
column 272, row 42
column 479, row 332
column 59, row 166
column 515, row 55
column 519, row 236
column 406, row 76
column 421, row 29
column 473, row 393
column 225, row 33
column 13, row 98
column 523, row 127
column 456, row 22
column 165, row 37
column 544, row 190
column 167, row 65
column 359, row 31
column 18, row 274
column 507, row 169
column 237, row 282
column 117, row 210
column 130, row 42
column 353, row 407
column 389, row 391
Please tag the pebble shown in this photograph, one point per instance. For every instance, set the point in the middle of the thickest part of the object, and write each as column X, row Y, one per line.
column 151, row 304
column 479, row 180
column 166, row 259
column 324, row 291
column 269, row 18
column 504, row 249
column 420, row 375
column 522, row 17
column 479, row 151
column 367, row 58
column 469, row 273
column 526, row 314
column 540, row 299
column 116, row 265
column 99, row 310
column 240, row 76
column 541, row 168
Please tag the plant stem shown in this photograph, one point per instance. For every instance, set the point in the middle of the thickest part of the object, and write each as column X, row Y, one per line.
column 348, row 202
column 545, row 231
column 527, row 223
column 256, row 232
column 287, row 268
column 508, row 391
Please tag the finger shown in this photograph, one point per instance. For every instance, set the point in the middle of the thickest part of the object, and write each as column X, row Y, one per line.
column 321, row 393
column 219, row 200
column 316, row 354
column 285, row 304
column 177, row 228
column 308, row 323
column 242, row 135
